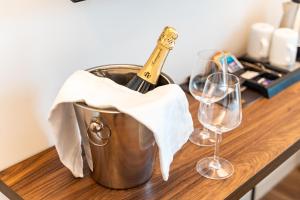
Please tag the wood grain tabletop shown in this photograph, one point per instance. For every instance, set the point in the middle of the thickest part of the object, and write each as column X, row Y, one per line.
column 269, row 134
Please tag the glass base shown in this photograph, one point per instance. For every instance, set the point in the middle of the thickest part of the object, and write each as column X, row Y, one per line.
column 202, row 137
column 209, row 168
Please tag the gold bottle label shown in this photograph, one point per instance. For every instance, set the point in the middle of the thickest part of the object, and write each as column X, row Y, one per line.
column 151, row 70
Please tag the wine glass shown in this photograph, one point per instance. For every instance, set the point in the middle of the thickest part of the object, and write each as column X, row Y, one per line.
column 208, row 62
column 221, row 114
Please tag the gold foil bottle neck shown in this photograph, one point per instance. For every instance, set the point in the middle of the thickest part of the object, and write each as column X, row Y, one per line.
column 168, row 37
column 151, row 70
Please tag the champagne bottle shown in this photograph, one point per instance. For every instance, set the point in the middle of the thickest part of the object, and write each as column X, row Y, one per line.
column 147, row 77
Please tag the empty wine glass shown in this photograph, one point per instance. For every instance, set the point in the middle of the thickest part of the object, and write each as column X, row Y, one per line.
column 208, row 62
column 222, row 114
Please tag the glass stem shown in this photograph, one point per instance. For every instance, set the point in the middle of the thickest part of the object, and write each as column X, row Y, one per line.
column 205, row 132
column 218, row 136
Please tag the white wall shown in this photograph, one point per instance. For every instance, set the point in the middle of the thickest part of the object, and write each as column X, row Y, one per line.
column 43, row 41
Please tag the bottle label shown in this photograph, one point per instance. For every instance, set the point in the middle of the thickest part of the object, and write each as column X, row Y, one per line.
column 151, row 70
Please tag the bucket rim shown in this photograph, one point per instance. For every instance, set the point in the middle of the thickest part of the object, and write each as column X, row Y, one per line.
column 113, row 110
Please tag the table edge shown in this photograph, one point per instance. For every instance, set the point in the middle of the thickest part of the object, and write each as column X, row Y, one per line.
column 265, row 171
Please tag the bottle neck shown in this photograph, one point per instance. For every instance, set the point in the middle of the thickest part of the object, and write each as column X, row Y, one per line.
column 151, row 70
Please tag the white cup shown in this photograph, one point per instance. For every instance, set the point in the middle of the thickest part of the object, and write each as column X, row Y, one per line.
column 260, row 40
column 284, row 47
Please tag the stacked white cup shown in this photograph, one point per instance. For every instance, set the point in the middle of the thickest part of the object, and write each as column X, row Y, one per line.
column 284, row 47
column 260, row 41
column 279, row 46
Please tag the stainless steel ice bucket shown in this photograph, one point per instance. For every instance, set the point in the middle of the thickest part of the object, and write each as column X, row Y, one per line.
column 122, row 150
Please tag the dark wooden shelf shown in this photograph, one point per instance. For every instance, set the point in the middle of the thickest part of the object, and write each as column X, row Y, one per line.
column 268, row 135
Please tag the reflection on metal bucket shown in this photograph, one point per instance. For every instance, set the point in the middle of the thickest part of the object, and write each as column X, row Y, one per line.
column 146, row 138
column 120, row 151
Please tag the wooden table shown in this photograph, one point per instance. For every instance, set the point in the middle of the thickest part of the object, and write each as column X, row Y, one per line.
column 268, row 135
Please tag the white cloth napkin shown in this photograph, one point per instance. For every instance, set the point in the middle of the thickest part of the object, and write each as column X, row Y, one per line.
column 163, row 110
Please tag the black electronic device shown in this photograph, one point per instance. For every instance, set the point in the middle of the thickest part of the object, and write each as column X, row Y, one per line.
column 75, row 1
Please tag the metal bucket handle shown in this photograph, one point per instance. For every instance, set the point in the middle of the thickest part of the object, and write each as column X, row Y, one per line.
column 99, row 131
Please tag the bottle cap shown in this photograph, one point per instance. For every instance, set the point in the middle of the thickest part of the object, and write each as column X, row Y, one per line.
column 168, row 37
